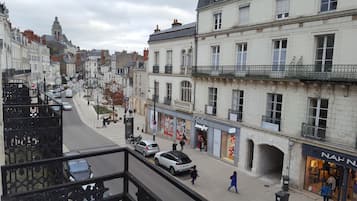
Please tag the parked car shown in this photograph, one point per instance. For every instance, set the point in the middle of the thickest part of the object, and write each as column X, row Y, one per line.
column 147, row 147
column 69, row 93
column 66, row 106
column 78, row 170
column 175, row 161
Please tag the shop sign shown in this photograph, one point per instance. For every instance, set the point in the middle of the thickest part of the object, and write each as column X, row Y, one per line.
column 232, row 130
column 331, row 156
column 202, row 127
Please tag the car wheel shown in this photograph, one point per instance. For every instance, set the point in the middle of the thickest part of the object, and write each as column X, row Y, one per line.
column 172, row 170
column 157, row 161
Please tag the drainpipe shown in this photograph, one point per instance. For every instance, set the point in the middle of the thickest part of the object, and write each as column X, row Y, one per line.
column 196, row 50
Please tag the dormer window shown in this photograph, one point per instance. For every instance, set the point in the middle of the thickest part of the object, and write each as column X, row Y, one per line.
column 282, row 9
column 328, row 5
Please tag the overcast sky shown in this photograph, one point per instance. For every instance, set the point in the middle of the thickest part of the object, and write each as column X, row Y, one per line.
column 102, row 24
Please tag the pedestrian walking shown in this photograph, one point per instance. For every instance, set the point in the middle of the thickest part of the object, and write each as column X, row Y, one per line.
column 194, row 175
column 104, row 122
column 326, row 191
column 233, row 182
column 182, row 141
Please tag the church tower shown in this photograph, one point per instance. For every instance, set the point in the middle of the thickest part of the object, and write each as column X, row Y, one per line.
column 57, row 29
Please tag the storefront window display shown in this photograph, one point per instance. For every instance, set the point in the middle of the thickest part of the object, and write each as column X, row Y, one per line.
column 319, row 171
column 228, row 142
column 169, row 126
column 202, row 140
column 183, row 127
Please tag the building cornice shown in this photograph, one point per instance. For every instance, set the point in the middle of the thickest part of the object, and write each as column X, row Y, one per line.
column 278, row 23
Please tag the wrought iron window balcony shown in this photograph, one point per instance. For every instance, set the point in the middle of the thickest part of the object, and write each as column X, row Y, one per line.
column 186, row 70
column 155, row 69
column 210, row 110
column 271, row 123
column 345, row 73
column 168, row 69
column 167, row 100
column 235, row 115
column 45, row 180
column 313, row 132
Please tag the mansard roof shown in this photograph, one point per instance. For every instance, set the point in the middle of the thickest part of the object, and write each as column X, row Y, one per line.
column 174, row 32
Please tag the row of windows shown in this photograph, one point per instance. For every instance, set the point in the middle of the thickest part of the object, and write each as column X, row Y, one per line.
column 185, row 91
column 323, row 54
column 281, row 12
column 316, row 117
column 186, row 58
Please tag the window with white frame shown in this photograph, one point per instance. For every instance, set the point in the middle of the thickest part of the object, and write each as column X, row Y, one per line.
column 274, row 106
column 237, row 103
column 183, row 58
column 282, row 9
column 328, row 5
column 169, row 90
column 169, row 57
column 244, row 14
column 189, row 58
column 317, row 116
column 212, row 101
column 241, row 56
column 215, row 55
column 324, row 52
column 279, row 54
column 156, row 57
column 186, row 89
column 217, row 21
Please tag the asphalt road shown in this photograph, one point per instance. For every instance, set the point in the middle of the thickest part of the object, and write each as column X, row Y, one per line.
column 79, row 137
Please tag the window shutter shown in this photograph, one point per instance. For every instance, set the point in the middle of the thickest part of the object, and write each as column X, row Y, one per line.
column 282, row 8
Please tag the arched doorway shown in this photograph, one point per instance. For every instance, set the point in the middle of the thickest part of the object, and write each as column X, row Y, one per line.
column 271, row 160
column 250, row 155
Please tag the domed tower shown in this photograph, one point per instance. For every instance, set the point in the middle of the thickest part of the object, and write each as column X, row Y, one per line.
column 57, row 29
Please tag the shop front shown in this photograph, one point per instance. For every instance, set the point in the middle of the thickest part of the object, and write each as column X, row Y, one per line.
column 218, row 139
column 338, row 169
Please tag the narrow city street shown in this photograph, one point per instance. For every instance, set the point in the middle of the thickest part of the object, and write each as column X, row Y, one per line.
column 79, row 137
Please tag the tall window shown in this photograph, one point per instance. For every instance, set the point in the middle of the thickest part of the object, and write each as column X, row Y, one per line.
column 186, row 89
column 217, row 20
column 183, row 58
column 157, row 57
column 237, row 102
column 189, row 58
column 212, row 99
column 328, row 5
column 317, row 116
column 169, row 57
column 279, row 54
column 241, row 56
column 169, row 90
column 274, row 106
column 215, row 55
column 156, row 90
column 282, row 9
column 324, row 53
column 244, row 14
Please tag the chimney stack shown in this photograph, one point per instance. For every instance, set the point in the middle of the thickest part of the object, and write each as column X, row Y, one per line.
column 157, row 29
column 176, row 23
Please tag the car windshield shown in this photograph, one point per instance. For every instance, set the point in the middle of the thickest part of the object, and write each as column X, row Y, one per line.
column 78, row 165
column 153, row 145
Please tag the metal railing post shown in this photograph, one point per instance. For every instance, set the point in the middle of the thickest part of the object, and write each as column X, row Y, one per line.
column 126, row 174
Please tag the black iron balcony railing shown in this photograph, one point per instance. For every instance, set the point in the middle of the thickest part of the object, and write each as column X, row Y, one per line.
column 274, row 123
column 128, row 180
column 235, row 115
column 345, row 73
column 167, row 100
column 313, row 132
column 168, row 69
column 186, row 70
column 155, row 69
column 210, row 110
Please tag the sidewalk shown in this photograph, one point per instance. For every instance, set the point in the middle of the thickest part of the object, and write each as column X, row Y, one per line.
column 214, row 174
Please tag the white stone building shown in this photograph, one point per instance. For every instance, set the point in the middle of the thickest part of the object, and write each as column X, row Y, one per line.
column 275, row 86
column 171, row 54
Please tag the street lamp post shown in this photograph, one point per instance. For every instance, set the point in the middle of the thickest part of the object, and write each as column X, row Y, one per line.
column 154, row 123
column 44, row 86
column 113, row 89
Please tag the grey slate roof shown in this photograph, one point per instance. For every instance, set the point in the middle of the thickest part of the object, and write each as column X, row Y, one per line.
column 175, row 32
column 203, row 3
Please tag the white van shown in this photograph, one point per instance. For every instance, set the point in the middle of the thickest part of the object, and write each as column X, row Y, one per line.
column 69, row 93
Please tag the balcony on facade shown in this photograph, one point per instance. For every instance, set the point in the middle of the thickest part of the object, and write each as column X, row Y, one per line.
column 167, row 100
column 235, row 115
column 313, row 132
column 154, row 98
column 333, row 73
column 155, row 69
column 271, row 123
column 210, row 110
column 168, row 69
column 183, row 106
column 186, row 70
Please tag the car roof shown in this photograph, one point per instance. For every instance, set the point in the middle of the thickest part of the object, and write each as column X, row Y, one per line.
column 178, row 154
column 149, row 141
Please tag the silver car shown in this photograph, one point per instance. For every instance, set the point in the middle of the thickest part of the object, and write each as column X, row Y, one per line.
column 147, row 147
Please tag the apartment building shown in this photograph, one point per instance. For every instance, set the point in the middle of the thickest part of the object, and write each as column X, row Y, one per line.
column 170, row 86
column 282, row 74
